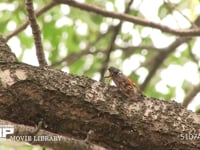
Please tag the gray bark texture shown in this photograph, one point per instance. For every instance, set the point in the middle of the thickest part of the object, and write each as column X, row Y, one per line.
column 91, row 112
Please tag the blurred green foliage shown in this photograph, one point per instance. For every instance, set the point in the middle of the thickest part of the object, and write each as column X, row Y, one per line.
column 10, row 145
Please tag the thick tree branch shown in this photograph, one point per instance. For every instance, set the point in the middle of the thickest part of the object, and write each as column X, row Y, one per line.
column 129, row 18
column 5, row 52
column 60, row 142
column 73, row 105
column 84, row 109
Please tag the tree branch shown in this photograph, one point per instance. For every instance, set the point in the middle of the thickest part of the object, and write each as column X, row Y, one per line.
column 69, row 59
column 60, row 142
column 190, row 95
column 25, row 24
column 162, row 55
column 117, row 29
column 158, row 60
column 194, row 90
column 36, row 33
column 84, row 109
column 6, row 54
column 129, row 18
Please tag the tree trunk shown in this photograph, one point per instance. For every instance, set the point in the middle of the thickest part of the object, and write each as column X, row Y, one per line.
column 93, row 112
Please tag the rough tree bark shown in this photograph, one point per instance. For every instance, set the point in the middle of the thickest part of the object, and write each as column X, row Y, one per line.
column 76, row 106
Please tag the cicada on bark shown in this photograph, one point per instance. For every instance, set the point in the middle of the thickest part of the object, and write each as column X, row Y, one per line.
column 125, row 85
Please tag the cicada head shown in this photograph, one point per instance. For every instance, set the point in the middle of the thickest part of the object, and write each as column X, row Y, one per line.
column 114, row 71
column 117, row 76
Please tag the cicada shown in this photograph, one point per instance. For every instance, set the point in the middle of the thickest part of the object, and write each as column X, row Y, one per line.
column 125, row 85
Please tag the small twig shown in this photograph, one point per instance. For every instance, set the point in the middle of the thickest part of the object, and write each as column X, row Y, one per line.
column 38, row 127
column 108, row 51
column 174, row 8
column 35, row 131
column 190, row 95
column 193, row 57
column 25, row 24
column 90, row 136
column 36, row 33
column 158, row 60
column 195, row 90
column 69, row 59
column 112, row 44
column 129, row 49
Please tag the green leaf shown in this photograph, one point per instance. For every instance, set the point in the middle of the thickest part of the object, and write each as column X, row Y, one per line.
column 163, row 11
